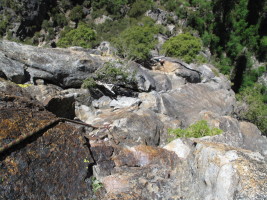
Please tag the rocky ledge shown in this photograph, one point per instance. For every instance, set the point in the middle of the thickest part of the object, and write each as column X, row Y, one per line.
column 115, row 145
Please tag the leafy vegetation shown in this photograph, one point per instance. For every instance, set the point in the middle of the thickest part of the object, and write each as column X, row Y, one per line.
column 81, row 36
column 111, row 73
column 3, row 26
column 24, row 85
column 60, row 20
column 115, row 7
column 199, row 129
column 96, row 184
column 136, row 42
column 256, row 98
column 76, row 13
column 139, row 7
column 184, row 46
column 230, row 26
column 89, row 83
column 251, row 76
column 109, row 29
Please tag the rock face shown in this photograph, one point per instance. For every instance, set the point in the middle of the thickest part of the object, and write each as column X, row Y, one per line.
column 127, row 154
column 47, row 166
column 11, row 69
column 31, row 14
column 160, row 16
column 237, row 134
column 221, row 172
column 63, row 67
column 62, row 104
column 184, row 169
column 67, row 68
column 174, row 97
column 263, row 79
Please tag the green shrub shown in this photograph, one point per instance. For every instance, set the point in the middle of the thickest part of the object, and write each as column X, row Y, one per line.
column 3, row 26
column 60, row 20
column 9, row 35
column 65, row 31
column 170, row 5
column 224, row 65
column 263, row 48
column 109, row 29
column 65, row 4
column 50, row 33
column 110, row 74
column 87, row 3
column 139, row 7
column 76, row 13
column 136, row 42
column 15, row 5
column 251, row 76
column 114, row 7
column 255, row 98
column 98, row 13
column 201, row 59
column 181, row 12
column 199, row 129
column 46, row 25
column 82, row 36
column 89, row 83
column 184, row 46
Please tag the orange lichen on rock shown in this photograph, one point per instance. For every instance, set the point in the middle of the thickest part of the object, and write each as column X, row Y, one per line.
column 16, row 123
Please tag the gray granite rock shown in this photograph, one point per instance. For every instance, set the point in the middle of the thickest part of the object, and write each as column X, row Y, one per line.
column 11, row 69
column 63, row 67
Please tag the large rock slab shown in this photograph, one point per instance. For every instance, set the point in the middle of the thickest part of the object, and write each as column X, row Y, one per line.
column 184, row 169
column 48, row 165
column 129, row 128
column 64, row 67
column 188, row 101
column 11, row 69
column 221, row 172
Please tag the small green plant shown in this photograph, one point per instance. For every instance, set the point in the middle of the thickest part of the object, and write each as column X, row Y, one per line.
column 86, row 161
column 89, row 83
column 96, row 184
column 215, row 72
column 199, row 129
column 24, row 85
column 201, row 59
column 139, row 7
